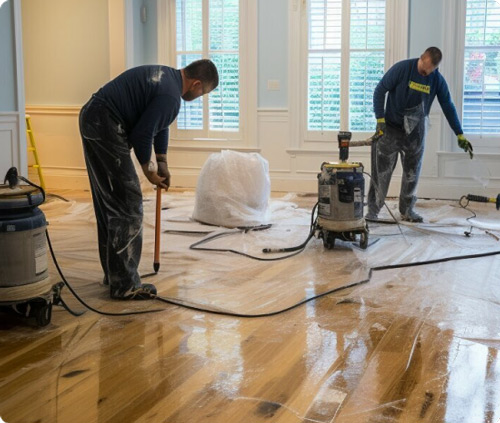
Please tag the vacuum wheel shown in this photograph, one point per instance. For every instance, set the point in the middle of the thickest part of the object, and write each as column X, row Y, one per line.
column 328, row 240
column 41, row 310
column 363, row 240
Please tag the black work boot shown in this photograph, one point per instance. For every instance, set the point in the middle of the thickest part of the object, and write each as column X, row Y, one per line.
column 146, row 291
column 412, row 216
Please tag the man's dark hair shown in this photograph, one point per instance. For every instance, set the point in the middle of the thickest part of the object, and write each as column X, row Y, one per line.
column 435, row 55
column 203, row 70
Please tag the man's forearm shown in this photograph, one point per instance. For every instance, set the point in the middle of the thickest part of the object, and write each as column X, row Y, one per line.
column 161, row 158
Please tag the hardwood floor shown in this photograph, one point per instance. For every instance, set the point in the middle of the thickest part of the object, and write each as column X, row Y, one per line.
column 414, row 344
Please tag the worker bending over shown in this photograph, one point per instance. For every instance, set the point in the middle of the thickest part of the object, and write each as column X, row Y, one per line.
column 133, row 111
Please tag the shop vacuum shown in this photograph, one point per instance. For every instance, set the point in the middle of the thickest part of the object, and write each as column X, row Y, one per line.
column 341, row 190
column 25, row 286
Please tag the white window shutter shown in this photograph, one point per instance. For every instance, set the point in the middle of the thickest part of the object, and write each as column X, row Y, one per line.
column 222, row 47
column 366, row 31
column 481, row 96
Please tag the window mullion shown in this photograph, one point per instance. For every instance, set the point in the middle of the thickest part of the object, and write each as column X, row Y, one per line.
column 206, row 55
column 345, row 62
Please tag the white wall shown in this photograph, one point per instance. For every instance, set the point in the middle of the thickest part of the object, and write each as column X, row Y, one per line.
column 66, row 59
column 144, row 18
column 273, row 53
column 8, row 62
column 12, row 135
column 66, row 50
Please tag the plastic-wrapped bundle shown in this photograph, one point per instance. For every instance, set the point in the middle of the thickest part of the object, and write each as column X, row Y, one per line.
column 233, row 190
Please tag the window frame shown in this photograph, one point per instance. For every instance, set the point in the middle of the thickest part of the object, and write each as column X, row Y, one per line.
column 453, row 71
column 245, row 136
column 396, row 48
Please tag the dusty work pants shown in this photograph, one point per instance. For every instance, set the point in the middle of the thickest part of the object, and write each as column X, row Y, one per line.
column 116, row 194
column 384, row 158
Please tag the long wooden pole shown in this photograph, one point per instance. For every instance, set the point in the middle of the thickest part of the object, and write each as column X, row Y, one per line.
column 156, row 264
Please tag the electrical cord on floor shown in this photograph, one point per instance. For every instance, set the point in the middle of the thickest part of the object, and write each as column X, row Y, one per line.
column 474, row 215
column 294, row 250
column 59, row 197
column 332, row 291
column 60, row 300
column 274, row 313
column 66, row 283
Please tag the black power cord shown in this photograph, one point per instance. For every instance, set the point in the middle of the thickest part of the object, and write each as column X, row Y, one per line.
column 341, row 288
column 294, row 250
column 274, row 313
column 465, row 207
column 104, row 313
column 59, row 299
column 298, row 249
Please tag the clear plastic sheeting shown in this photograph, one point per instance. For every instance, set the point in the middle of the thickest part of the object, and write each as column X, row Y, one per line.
column 448, row 230
column 414, row 344
column 233, row 190
column 231, row 282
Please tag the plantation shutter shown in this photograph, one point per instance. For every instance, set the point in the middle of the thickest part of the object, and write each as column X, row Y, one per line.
column 367, row 39
column 325, row 27
column 224, row 42
column 222, row 47
column 365, row 27
column 481, row 96
column 189, row 46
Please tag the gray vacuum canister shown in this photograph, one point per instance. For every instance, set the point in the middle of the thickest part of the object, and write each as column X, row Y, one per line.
column 23, row 247
column 341, row 189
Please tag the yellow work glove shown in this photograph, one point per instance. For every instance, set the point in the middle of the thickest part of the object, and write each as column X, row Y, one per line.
column 465, row 145
column 380, row 130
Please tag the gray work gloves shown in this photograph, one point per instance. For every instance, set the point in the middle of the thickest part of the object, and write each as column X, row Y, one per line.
column 465, row 145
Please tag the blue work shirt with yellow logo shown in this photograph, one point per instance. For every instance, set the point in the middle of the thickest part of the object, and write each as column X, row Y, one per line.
column 407, row 89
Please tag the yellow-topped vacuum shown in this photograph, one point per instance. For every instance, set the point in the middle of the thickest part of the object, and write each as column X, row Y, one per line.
column 341, row 187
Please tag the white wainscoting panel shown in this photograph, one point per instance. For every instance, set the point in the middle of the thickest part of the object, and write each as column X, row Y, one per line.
column 59, row 146
column 292, row 169
column 9, row 143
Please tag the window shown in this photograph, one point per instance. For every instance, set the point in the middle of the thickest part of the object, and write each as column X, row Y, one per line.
column 210, row 29
column 346, row 56
column 481, row 89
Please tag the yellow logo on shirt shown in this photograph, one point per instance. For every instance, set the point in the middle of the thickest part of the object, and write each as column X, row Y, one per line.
column 420, row 87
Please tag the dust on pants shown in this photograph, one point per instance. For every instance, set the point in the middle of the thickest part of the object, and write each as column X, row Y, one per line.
column 116, row 195
column 384, row 156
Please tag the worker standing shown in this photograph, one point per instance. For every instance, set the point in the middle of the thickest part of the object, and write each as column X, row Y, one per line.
column 133, row 111
column 412, row 86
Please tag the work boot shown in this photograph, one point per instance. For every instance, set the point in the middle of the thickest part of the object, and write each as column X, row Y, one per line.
column 411, row 216
column 146, row 291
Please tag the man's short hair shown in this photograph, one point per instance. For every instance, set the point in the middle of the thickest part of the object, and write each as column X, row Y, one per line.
column 203, row 70
column 435, row 54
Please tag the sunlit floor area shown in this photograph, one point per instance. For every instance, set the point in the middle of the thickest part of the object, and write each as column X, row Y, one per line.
column 327, row 335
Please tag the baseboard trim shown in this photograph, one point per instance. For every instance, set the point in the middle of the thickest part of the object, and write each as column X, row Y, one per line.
column 62, row 178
